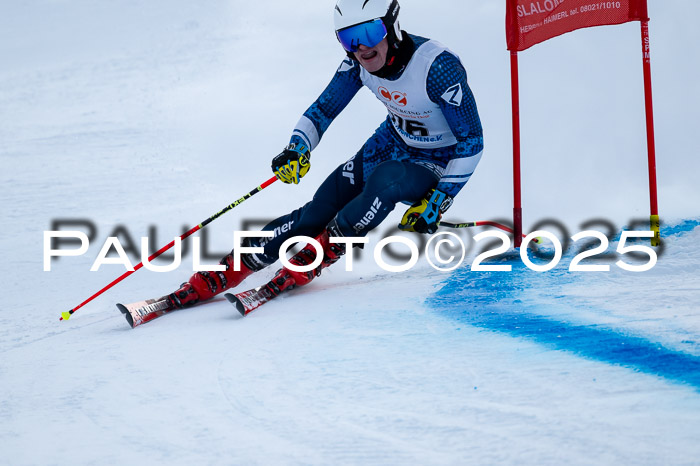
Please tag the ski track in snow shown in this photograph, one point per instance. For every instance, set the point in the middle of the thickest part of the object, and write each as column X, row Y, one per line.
column 302, row 382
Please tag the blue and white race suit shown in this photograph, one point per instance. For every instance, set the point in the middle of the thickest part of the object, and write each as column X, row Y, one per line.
column 432, row 138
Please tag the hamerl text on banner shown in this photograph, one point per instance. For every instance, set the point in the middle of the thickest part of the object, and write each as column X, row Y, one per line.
column 529, row 22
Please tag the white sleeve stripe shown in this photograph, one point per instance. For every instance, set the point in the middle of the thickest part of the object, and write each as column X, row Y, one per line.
column 459, row 168
column 306, row 129
column 302, row 135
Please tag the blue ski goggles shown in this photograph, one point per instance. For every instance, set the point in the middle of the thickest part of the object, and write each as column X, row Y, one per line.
column 368, row 34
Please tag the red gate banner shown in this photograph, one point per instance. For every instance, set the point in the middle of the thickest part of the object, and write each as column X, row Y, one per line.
column 529, row 22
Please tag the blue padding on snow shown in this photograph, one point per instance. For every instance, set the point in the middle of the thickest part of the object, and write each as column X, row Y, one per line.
column 684, row 226
column 493, row 301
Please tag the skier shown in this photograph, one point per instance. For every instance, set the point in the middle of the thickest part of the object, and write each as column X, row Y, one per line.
column 422, row 154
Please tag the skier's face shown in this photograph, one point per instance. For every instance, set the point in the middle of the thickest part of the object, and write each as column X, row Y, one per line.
column 373, row 59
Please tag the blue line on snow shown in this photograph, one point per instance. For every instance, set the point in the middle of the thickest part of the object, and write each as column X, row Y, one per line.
column 492, row 300
column 684, row 226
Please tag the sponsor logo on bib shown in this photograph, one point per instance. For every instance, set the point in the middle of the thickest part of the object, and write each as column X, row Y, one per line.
column 399, row 98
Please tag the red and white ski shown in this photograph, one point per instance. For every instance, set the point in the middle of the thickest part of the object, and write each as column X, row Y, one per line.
column 140, row 312
column 248, row 301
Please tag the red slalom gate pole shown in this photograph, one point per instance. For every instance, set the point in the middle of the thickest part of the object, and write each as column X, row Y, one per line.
column 517, row 199
column 68, row 314
column 651, row 145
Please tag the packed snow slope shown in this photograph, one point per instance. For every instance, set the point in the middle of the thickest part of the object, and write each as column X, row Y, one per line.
column 145, row 118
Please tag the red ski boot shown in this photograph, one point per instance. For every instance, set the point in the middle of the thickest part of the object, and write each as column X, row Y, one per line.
column 286, row 279
column 205, row 285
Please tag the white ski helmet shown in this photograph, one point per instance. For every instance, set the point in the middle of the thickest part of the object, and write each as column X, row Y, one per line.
column 360, row 22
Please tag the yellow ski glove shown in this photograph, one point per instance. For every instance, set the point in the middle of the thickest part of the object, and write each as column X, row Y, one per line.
column 292, row 163
column 424, row 216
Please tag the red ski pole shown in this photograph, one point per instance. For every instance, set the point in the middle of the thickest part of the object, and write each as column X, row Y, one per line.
column 66, row 315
